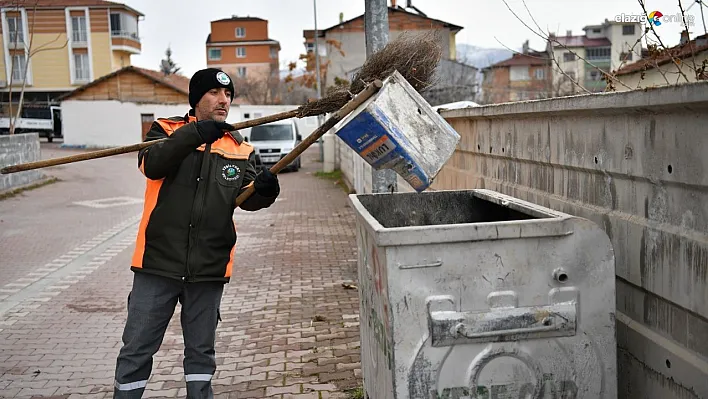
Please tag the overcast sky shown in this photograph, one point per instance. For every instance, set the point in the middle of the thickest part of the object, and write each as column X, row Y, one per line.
column 487, row 23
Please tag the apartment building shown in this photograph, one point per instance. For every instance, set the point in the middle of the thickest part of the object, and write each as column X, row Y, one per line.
column 607, row 46
column 240, row 46
column 68, row 43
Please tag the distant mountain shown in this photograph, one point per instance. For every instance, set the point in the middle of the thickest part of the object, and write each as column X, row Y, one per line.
column 481, row 57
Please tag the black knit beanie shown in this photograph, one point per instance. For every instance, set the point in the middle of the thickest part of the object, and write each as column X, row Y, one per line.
column 206, row 79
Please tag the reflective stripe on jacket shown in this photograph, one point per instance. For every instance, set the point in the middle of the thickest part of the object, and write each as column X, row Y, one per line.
column 187, row 229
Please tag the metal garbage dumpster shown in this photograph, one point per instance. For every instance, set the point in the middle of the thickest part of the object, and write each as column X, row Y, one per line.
column 476, row 294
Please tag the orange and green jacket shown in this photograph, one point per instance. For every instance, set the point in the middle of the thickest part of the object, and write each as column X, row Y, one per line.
column 187, row 230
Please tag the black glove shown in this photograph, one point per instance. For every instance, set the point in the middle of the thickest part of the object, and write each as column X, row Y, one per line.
column 266, row 184
column 211, row 130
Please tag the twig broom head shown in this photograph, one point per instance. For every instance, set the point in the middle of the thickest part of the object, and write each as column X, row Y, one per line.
column 415, row 56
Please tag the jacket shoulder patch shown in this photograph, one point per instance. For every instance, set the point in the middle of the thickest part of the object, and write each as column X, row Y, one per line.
column 171, row 124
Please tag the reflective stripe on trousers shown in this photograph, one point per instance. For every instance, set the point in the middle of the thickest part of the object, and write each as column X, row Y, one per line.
column 131, row 385
column 197, row 377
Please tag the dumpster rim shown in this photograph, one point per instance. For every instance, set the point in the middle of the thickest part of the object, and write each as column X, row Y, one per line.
column 552, row 223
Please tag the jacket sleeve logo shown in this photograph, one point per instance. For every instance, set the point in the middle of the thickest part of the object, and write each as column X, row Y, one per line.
column 230, row 172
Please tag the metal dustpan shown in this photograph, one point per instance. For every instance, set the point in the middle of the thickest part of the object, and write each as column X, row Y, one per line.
column 397, row 129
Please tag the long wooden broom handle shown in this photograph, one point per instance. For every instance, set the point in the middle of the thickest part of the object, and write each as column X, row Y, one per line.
column 134, row 147
column 355, row 102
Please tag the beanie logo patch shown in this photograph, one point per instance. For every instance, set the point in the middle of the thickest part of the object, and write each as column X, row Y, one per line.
column 223, row 78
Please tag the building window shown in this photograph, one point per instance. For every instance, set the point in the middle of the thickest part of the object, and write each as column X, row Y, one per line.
column 625, row 57
column 124, row 25
column 540, row 74
column 273, row 53
column 81, row 67
column 517, row 73
column 567, row 57
column 596, row 30
column 240, row 32
column 18, row 67
column 598, row 53
column 78, row 29
column 310, row 47
column 214, row 53
column 240, row 52
column 241, row 72
column 594, row 75
column 14, row 26
column 627, row 29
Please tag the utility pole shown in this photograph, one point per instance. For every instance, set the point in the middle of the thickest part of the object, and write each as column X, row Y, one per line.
column 376, row 28
column 317, row 71
column 317, row 55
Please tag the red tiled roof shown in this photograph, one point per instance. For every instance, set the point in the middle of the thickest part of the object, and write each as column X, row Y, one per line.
column 29, row 4
column 394, row 9
column 522, row 59
column 176, row 82
column 310, row 33
column 236, row 18
column 678, row 52
column 580, row 41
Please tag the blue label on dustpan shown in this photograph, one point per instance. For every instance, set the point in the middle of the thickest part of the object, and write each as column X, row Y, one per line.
column 379, row 142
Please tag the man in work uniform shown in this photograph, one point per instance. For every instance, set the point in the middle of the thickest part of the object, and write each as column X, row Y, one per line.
column 186, row 240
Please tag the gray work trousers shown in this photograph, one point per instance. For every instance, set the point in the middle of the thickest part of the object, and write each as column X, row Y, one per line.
column 151, row 304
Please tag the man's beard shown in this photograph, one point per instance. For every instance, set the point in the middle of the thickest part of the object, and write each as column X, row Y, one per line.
column 218, row 117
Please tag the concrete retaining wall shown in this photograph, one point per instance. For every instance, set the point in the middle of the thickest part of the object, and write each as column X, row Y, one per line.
column 16, row 149
column 634, row 163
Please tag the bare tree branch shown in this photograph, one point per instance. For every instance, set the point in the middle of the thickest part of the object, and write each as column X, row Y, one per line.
column 631, row 50
column 516, row 52
column 556, row 42
column 553, row 58
column 651, row 26
column 12, row 65
column 688, row 38
column 44, row 46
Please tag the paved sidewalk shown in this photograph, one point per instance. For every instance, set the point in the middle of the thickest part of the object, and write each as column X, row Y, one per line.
column 289, row 329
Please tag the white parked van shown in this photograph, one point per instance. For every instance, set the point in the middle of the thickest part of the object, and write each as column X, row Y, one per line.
column 273, row 141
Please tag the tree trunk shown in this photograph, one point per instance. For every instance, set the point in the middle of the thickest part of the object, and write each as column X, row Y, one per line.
column 28, row 56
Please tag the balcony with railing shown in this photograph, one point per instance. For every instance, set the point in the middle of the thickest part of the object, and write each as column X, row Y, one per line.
column 124, row 33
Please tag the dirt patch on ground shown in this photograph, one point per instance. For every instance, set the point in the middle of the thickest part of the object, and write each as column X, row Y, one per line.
column 89, row 307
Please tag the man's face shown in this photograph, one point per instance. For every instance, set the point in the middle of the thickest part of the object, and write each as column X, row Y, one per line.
column 214, row 105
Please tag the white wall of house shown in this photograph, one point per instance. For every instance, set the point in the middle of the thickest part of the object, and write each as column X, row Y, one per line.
column 112, row 123
column 576, row 66
column 622, row 43
column 655, row 77
column 109, row 123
